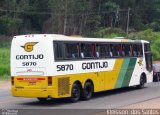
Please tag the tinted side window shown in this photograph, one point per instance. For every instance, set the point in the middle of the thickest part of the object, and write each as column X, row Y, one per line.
column 147, row 47
column 87, row 50
column 58, row 50
column 71, row 50
column 137, row 50
column 116, row 50
column 102, row 50
column 127, row 50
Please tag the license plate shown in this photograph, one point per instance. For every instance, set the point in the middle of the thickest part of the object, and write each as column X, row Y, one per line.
column 32, row 83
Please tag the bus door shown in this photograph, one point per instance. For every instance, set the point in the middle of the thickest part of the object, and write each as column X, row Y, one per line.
column 148, row 57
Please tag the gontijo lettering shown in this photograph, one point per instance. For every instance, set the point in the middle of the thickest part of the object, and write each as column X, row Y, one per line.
column 94, row 65
column 22, row 57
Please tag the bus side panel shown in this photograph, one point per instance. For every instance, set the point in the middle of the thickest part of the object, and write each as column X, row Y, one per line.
column 111, row 77
column 63, row 84
column 129, row 72
column 102, row 80
column 122, row 73
column 140, row 68
column 106, row 80
column 137, row 71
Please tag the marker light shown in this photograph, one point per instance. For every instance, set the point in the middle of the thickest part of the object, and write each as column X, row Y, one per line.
column 49, row 81
column 12, row 80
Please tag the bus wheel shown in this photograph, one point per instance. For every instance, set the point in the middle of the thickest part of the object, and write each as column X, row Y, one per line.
column 87, row 91
column 142, row 81
column 76, row 92
column 42, row 99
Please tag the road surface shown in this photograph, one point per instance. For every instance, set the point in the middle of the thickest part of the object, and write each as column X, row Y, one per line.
column 100, row 101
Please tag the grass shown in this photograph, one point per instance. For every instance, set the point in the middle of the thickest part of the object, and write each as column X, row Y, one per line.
column 5, row 61
column 5, row 78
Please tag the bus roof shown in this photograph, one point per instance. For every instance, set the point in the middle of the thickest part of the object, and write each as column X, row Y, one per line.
column 58, row 37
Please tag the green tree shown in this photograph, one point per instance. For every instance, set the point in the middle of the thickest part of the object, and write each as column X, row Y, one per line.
column 9, row 26
column 148, row 35
column 110, row 33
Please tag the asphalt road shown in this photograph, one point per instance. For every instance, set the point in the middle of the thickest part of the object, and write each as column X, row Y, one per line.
column 100, row 101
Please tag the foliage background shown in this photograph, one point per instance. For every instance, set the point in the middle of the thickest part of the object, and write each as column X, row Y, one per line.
column 88, row 18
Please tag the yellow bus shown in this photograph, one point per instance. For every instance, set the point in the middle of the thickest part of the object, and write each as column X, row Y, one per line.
column 58, row 66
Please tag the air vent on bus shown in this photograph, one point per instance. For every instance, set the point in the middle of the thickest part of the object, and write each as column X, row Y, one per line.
column 63, row 86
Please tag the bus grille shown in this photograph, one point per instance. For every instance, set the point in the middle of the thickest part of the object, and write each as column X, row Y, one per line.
column 63, row 86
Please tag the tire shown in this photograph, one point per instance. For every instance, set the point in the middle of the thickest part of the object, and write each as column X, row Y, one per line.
column 75, row 93
column 87, row 91
column 142, row 82
column 42, row 99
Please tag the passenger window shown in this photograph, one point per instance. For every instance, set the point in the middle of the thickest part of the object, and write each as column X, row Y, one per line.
column 71, row 50
column 127, row 50
column 147, row 47
column 87, row 50
column 115, row 50
column 58, row 50
column 102, row 50
column 137, row 50
column 140, row 49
